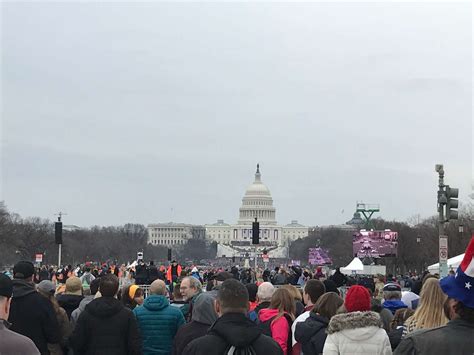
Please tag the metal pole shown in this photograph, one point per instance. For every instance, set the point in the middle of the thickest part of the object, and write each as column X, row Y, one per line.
column 443, row 240
column 256, row 259
column 59, row 255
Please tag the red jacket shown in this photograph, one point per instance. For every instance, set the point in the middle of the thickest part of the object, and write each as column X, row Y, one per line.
column 280, row 328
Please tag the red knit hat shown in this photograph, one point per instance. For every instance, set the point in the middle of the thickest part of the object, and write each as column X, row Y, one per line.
column 357, row 299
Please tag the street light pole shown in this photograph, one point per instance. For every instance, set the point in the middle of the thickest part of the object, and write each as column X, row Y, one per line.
column 443, row 240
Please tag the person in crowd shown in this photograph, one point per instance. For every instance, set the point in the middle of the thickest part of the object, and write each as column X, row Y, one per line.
column 87, row 277
column 252, row 290
column 47, row 289
column 330, row 286
column 190, row 289
column 93, row 287
column 397, row 326
column 31, row 314
column 72, row 296
column 158, row 322
column 312, row 291
column 429, row 313
column 219, row 280
column 311, row 333
column 204, row 315
column 299, row 306
column 177, row 300
column 105, row 326
column 154, row 273
column 141, row 274
column 392, row 294
column 385, row 315
column 281, row 278
column 359, row 331
column 456, row 337
column 195, row 273
column 173, row 272
column 276, row 320
column 264, row 296
column 233, row 331
column 379, row 283
column 43, row 274
column 132, row 296
column 11, row 343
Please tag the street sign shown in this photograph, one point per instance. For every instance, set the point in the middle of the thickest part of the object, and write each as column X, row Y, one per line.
column 39, row 258
column 443, row 255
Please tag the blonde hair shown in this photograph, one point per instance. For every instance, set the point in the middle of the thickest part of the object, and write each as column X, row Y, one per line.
column 293, row 291
column 430, row 311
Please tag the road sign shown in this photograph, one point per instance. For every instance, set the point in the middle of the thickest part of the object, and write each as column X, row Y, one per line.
column 443, row 248
column 39, row 258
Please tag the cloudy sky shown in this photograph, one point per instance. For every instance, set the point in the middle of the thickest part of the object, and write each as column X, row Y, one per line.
column 121, row 112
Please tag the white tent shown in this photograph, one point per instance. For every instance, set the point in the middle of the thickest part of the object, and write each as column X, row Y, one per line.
column 453, row 263
column 354, row 265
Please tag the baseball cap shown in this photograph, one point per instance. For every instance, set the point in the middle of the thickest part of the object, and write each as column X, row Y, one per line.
column 46, row 286
column 23, row 270
column 73, row 286
column 6, row 286
column 392, row 287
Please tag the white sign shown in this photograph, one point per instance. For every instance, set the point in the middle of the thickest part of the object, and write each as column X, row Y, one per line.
column 265, row 258
column 39, row 258
column 443, row 248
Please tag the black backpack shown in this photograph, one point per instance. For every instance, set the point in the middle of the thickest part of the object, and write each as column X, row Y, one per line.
column 267, row 330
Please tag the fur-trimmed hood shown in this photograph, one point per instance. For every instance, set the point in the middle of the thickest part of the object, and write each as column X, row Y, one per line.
column 361, row 324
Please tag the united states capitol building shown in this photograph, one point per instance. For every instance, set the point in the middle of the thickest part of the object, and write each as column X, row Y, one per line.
column 236, row 239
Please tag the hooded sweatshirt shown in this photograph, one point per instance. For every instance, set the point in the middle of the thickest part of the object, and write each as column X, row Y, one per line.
column 280, row 328
column 77, row 312
column 204, row 316
column 106, row 327
column 158, row 323
column 233, row 329
column 356, row 333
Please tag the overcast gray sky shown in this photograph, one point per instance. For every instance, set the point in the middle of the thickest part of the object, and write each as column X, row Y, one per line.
column 147, row 113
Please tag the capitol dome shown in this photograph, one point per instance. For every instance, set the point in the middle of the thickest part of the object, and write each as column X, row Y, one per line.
column 257, row 202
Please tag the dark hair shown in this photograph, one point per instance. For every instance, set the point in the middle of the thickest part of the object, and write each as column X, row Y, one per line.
column 314, row 289
column 126, row 301
column 233, row 297
column 252, row 290
column 328, row 304
column 464, row 312
column 109, row 285
column 94, row 286
column 400, row 316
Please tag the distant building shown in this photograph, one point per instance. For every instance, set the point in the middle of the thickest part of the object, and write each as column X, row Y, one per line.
column 237, row 239
column 172, row 234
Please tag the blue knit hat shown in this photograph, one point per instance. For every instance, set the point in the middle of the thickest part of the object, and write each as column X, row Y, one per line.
column 461, row 285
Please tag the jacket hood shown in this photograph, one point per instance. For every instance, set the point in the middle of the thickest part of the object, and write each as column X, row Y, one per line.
column 236, row 329
column 355, row 325
column 313, row 324
column 267, row 314
column 72, row 300
column 156, row 302
column 86, row 300
column 203, row 310
column 104, row 307
column 261, row 306
column 22, row 288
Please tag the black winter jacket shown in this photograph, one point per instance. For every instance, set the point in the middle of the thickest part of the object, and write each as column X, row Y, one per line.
column 186, row 334
column 32, row 315
column 233, row 329
column 312, row 334
column 106, row 327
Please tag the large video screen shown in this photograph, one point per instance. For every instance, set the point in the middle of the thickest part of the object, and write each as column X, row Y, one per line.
column 374, row 244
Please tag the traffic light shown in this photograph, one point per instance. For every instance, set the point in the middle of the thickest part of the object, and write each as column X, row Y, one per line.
column 169, row 254
column 452, row 202
column 255, row 232
column 58, row 232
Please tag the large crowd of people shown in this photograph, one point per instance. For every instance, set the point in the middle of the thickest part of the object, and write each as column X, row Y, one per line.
column 148, row 309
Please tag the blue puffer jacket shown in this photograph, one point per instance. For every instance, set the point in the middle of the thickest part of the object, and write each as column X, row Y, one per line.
column 393, row 305
column 158, row 323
